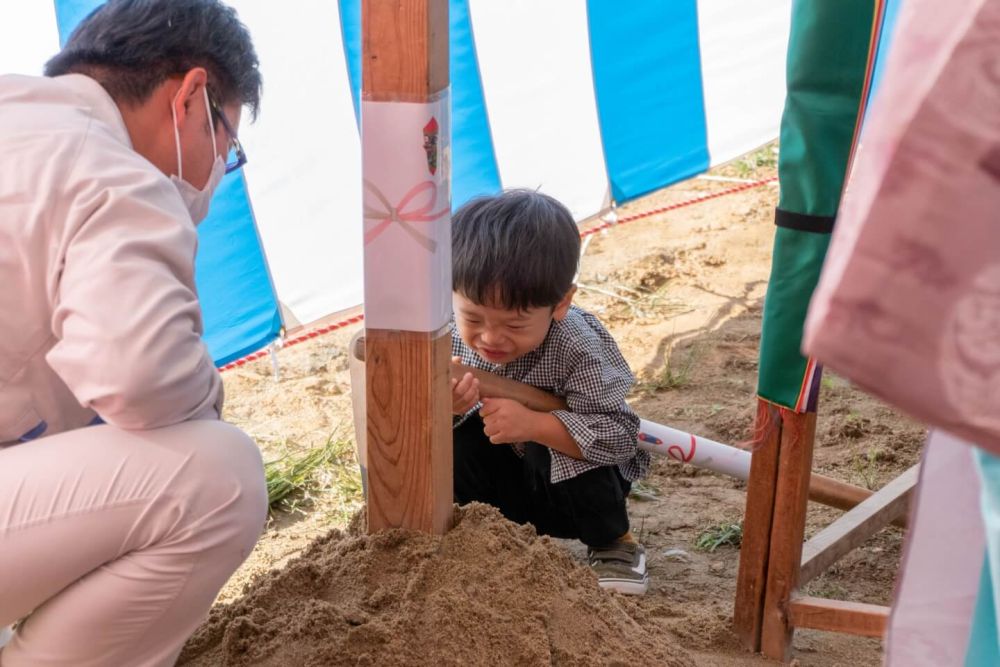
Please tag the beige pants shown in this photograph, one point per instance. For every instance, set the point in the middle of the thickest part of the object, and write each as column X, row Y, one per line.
column 114, row 543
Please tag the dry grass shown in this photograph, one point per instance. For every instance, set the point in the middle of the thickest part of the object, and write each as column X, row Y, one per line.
column 296, row 478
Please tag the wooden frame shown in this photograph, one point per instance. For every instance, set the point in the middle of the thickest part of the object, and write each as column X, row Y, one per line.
column 774, row 563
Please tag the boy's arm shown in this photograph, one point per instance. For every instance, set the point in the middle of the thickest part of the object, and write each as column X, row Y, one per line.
column 598, row 418
column 552, row 433
column 593, row 423
column 506, row 421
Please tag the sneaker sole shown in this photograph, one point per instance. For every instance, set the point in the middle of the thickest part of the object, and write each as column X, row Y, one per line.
column 625, row 586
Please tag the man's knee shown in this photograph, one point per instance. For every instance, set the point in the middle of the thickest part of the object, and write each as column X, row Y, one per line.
column 227, row 478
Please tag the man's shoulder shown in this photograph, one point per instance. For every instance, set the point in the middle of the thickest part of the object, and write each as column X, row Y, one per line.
column 47, row 117
column 29, row 103
column 68, row 108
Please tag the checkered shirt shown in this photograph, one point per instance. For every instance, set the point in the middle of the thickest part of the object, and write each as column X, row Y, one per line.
column 579, row 361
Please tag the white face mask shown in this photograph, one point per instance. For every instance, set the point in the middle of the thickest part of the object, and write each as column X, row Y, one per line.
column 196, row 200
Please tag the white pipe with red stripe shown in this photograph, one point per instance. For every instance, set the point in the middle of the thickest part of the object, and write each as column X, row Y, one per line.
column 697, row 451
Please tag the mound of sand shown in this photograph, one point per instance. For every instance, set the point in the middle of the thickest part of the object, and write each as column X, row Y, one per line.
column 488, row 592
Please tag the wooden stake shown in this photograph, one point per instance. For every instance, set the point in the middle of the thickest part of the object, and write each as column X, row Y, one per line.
column 405, row 59
column 798, row 431
column 751, row 579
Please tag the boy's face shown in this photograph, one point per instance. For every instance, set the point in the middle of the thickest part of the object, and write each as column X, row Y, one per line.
column 499, row 335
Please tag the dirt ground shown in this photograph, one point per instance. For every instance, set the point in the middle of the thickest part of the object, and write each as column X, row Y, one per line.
column 682, row 293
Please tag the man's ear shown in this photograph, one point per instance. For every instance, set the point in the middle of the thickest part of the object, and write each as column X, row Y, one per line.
column 559, row 312
column 189, row 94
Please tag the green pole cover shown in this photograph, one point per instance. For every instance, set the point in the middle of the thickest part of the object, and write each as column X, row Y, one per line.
column 828, row 52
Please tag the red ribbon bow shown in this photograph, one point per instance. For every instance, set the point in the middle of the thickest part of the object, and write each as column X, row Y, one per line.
column 404, row 214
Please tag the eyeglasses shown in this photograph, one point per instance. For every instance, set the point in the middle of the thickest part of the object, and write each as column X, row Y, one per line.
column 237, row 147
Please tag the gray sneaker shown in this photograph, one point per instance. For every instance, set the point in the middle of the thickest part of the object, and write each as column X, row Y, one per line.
column 620, row 567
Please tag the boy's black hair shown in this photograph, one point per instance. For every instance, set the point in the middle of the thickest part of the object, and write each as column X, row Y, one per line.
column 516, row 250
column 131, row 46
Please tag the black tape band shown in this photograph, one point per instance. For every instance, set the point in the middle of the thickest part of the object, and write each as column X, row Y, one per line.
column 818, row 224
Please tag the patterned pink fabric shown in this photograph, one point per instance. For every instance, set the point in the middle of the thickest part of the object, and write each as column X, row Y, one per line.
column 942, row 560
column 908, row 305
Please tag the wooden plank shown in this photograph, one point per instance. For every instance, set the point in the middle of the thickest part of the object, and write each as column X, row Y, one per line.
column 852, row 529
column 855, row 618
column 408, row 398
column 751, row 578
column 405, row 49
column 798, row 432
column 409, row 431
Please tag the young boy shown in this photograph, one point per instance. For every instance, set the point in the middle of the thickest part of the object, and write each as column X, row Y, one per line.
column 567, row 472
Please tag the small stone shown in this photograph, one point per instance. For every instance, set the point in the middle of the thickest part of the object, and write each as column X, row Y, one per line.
column 714, row 260
column 677, row 555
column 717, row 567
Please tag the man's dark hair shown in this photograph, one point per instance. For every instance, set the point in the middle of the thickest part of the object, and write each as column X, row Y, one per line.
column 516, row 250
column 132, row 46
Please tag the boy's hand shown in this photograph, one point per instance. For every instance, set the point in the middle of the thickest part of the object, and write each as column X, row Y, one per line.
column 464, row 392
column 505, row 421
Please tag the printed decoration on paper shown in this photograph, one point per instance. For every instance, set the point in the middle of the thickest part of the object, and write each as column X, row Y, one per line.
column 431, row 132
column 406, row 214
column 651, row 439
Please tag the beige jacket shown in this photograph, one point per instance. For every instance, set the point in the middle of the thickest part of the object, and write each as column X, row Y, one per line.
column 98, row 311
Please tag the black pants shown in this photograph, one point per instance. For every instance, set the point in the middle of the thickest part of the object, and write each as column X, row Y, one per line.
column 589, row 507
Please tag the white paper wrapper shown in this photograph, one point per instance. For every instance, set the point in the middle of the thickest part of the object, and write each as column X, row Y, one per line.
column 406, row 152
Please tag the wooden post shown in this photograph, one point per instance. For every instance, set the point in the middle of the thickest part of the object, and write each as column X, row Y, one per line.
column 406, row 164
column 751, row 579
column 788, row 525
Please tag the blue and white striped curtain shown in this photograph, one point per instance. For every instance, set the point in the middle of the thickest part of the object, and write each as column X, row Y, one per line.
column 592, row 101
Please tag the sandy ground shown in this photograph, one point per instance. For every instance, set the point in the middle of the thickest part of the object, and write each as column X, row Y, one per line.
column 488, row 592
column 682, row 293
